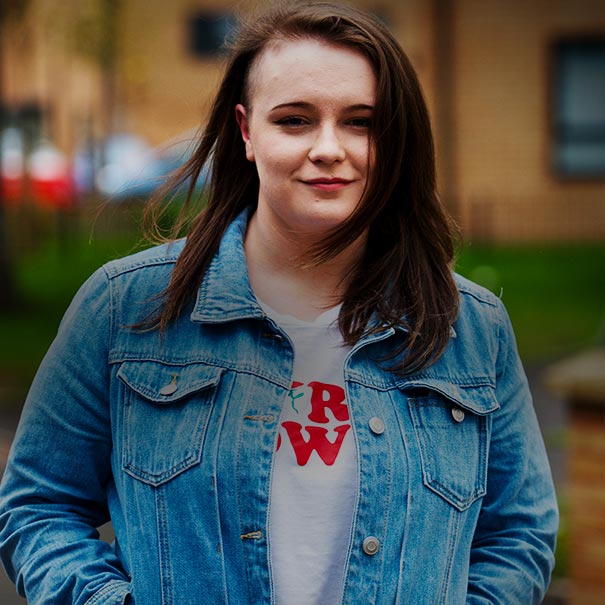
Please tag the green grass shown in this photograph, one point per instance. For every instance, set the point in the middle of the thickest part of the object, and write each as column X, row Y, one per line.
column 555, row 294
column 47, row 276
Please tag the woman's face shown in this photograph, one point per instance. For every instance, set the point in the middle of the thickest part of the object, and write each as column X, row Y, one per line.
column 306, row 127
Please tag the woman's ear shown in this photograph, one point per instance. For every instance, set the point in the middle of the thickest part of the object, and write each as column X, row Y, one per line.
column 241, row 115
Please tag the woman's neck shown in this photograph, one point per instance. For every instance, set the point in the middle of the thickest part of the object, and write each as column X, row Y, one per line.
column 281, row 279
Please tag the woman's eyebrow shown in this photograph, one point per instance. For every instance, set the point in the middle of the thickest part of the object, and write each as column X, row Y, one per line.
column 360, row 106
column 295, row 104
column 306, row 105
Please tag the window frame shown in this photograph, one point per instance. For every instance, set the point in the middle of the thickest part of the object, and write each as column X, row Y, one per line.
column 557, row 46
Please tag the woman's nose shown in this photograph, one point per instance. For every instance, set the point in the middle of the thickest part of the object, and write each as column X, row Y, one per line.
column 327, row 146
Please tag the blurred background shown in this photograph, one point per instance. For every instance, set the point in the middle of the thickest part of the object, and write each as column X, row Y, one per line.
column 100, row 99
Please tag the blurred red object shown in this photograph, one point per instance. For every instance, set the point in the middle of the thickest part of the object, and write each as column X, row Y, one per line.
column 12, row 190
column 51, row 181
column 12, row 166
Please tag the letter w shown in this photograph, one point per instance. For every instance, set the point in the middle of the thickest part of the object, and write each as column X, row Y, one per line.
column 318, row 441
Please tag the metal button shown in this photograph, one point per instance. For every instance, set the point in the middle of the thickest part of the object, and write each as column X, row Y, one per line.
column 272, row 335
column 371, row 545
column 457, row 414
column 169, row 388
column 260, row 417
column 376, row 425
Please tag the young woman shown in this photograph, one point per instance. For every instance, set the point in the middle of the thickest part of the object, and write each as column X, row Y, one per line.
column 300, row 403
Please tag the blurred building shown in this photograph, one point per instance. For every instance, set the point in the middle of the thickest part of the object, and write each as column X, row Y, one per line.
column 516, row 90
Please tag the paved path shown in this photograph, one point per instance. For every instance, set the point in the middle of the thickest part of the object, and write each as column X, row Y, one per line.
column 551, row 413
column 553, row 418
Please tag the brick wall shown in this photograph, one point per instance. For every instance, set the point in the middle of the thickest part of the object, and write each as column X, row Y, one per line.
column 587, row 504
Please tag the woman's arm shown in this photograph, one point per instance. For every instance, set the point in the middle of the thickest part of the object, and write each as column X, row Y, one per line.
column 54, row 491
column 513, row 548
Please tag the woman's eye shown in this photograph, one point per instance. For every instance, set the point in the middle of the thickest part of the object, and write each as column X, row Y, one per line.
column 360, row 122
column 292, row 121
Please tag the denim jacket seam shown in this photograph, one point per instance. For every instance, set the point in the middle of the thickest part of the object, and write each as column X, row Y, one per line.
column 390, row 483
column 111, row 313
column 117, row 271
column 202, row 294
column 117, row 359
column 164, row 548
column 119, row 267
column 453, row 539
column 464, row 382
column 478, row 297
column 479, row 293
column 503, row 347
column 449, row 496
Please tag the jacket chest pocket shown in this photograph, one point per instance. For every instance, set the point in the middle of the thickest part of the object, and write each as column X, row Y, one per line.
column 452, row 428
column 166, row 411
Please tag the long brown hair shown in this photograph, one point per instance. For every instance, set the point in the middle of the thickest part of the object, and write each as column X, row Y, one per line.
column 404, row 278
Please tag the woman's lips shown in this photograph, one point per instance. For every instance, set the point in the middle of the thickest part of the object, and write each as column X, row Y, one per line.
column 327, row 184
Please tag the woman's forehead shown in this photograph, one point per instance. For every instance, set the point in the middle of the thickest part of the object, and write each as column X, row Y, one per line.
column 311, row 67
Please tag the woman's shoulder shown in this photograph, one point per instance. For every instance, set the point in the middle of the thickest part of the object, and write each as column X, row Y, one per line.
column 473, row 293
column 156, row 257
column 481, row 313
column 132, row 281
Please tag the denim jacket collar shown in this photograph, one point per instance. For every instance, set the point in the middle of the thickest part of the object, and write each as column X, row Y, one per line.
column 226, row 294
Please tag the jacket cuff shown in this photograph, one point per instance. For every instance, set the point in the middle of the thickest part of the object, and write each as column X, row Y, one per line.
column 115, row 592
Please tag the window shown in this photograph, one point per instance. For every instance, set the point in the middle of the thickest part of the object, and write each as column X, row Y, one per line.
column 579, row 108
column 208, row 32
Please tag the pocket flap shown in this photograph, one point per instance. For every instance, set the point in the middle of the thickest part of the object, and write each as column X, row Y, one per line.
column 165, row 383
column 479, row 399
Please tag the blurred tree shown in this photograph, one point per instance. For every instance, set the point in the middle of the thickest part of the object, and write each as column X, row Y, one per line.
column 11, row 11
column 96, row 37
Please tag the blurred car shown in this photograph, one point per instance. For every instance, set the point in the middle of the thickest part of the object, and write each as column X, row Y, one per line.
column 44, row 176
column 50, row 177
column 126, row 166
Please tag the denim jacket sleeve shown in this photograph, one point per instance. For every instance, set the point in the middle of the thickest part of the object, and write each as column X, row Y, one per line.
column 53, row 494
column 512, row 552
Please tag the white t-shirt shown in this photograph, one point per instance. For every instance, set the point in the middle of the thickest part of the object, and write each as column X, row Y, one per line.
column 314, row 483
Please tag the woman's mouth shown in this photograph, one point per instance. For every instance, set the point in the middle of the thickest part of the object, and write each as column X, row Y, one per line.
column 327, row 184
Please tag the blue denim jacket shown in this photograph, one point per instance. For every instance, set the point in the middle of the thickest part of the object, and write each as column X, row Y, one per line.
column 172, row 436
